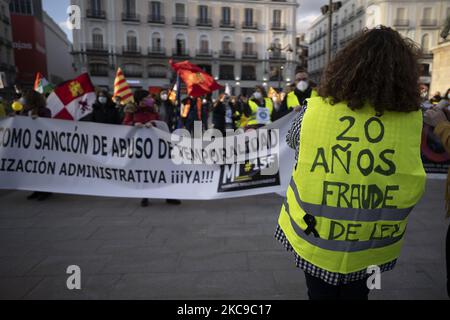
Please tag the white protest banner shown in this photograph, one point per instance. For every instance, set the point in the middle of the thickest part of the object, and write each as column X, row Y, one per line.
column 93, row 159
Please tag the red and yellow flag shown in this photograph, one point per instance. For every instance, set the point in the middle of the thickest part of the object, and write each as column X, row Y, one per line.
column 122, row 89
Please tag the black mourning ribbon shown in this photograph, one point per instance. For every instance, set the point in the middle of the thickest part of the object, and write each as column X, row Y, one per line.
column 311, row 222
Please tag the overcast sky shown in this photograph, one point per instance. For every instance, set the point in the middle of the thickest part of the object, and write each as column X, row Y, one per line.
column 308, row 11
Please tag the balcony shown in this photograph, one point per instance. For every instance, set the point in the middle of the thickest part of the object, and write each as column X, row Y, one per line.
column 96, row 14
column 249, row 25
column 203, row 53
column 157, row 51
column 131, row 17
column 227, row 53
column 96, row 48
column 276, row 26
column 428, row 23
column 277, row 55
column 204, row 22
column 180, row 52
column 401, row 23
column 227, row 24
column 180, row 21
column 158, row 19
column 131, row 50
column 249, row 55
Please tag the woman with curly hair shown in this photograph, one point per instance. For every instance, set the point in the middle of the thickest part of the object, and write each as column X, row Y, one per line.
column 359, row 172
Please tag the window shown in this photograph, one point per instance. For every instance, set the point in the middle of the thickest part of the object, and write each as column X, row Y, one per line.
column 226, row 15
column 248, row 73
column 156, row 42
column 130, row 7
column 277, row 18
column 132, row 70
column 401, row 14
column 157, row 71
column 97, row 39
column 96, row 6
column 248, row 17
column 226, row 45
column 226, row 72
column 180, row 44
column 204, row 44
column 132, row 41
column 180, row 11
column 427, row 13
column 203, row 13
column 248, row 46
column 24, row 7
column 98, row 69
column 155, row 9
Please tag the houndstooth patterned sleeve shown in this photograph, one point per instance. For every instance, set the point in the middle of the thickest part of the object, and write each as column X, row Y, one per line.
column 293, row 136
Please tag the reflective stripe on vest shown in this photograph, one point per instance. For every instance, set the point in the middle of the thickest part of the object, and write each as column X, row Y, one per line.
column 357, row 179
column 339, row 245
column 366, row 215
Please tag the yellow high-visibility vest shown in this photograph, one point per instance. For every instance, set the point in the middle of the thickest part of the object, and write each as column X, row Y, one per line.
column 292, row 100
column 357, row 179
column 260, row 115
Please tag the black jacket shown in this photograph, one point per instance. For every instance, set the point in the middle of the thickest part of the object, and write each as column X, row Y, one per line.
column 107, row 114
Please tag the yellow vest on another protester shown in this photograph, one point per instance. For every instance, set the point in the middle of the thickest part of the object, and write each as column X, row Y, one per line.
column 261, row 115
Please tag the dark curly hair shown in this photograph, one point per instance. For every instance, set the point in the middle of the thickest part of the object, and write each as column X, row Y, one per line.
column 378, row 67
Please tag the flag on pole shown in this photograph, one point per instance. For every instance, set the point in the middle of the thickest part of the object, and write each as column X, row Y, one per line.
column 73, row 99
column 174, row 92
column 198, row 82
column 122, row 89
column 41, row 84
column 228, row 89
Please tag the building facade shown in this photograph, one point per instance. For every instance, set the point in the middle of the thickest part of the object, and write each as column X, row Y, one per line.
column 419, row 20
column 28, row 40
column 7, row 65
column 60, row 66
column 242, row 43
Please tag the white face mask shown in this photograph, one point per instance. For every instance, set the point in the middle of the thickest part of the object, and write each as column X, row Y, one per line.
column 257, row 95
column 302, row 86
column 102, row 100
column 164, row 97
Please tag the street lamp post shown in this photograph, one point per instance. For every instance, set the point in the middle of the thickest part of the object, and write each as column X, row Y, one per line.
column 280, row 75
column 278, row 49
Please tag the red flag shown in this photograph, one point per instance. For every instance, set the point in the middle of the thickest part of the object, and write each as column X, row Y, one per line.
column 73, row 99
column 198, row 82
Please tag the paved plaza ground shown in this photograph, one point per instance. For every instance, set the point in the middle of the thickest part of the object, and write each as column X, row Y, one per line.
column 200, row 250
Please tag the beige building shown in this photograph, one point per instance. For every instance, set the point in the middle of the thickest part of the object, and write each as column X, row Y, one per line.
column 420, row 20
column 7, row 65
column 242, row 43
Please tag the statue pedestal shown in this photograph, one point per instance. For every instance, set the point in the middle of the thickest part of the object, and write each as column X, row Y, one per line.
column 441, row 68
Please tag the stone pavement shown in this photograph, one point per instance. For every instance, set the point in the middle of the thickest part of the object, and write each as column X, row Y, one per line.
column 200, row 250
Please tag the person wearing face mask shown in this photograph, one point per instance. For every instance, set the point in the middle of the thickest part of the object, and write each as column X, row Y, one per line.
column 259, row 109
column 297, row 98
column 104, row 110
column 225, row 114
